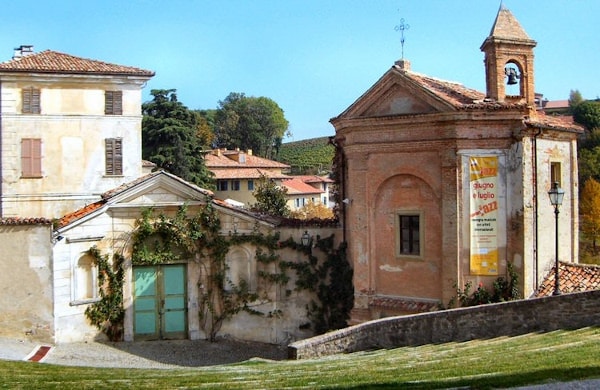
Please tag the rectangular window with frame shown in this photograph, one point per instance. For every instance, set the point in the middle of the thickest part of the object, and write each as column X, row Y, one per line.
column 31, row 157
column 555, row 173
column 250, row 185
column 31, row 101
column 222, row 185
column 235, row 185
column 408, row 242
column 114, row 156
column 113, row 102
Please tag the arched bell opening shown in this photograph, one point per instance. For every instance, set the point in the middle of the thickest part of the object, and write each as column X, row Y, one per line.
column 513, row 76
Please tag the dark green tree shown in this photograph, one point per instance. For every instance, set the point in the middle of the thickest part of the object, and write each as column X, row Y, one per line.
column 270, row 198
column 256, row 123
column 588, row 114
column 173, row 137
column 574, row 99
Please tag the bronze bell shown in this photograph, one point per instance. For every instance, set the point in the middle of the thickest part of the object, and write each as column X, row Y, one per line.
column 513, row 77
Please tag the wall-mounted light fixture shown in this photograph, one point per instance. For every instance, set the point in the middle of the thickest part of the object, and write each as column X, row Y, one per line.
column 306, row 239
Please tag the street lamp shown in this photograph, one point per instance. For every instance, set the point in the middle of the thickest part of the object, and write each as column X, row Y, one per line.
column 556, row 195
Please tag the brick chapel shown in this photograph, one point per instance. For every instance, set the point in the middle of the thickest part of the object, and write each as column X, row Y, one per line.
column 444, row 185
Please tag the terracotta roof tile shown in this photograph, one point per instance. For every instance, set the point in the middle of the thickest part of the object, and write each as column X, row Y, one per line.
column 246, row 173
column 49, row 61
column 298, row 187
column 227, row 158
column 554, row 122
column 82, row 212
column 313, row 179
column 572, row 278
column 25, row 221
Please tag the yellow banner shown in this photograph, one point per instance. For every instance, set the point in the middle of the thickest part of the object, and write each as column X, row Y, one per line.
column 483, row 174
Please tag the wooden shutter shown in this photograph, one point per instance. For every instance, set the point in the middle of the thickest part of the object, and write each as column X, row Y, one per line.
column 31, row 157
column 113, row 102
column 31, row 101
column 114, row 156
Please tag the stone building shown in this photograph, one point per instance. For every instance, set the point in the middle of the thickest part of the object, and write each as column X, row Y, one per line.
column 73, row 179
column 445, row 185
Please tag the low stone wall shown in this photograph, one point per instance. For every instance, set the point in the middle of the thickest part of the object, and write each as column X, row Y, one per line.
column 568, row 311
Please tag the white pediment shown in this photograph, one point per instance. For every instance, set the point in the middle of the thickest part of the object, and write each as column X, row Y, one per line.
column 161, row 189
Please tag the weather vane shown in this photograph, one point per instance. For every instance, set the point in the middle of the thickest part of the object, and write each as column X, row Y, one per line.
column 402, row 27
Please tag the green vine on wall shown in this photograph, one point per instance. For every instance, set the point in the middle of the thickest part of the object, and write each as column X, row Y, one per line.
column 108, row 313
column 160, row 239
column 330, row 280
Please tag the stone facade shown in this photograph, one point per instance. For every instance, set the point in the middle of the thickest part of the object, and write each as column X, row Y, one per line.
column 408, row 146
column 569, row 311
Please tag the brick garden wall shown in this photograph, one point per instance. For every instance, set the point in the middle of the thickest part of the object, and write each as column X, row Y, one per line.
column 568, row 311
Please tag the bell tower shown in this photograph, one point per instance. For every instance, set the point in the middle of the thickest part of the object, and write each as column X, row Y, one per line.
column 509, row 61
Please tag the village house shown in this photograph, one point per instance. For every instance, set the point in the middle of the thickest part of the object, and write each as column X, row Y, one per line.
column 238, row 173
column 74, row 184
column 446, row 185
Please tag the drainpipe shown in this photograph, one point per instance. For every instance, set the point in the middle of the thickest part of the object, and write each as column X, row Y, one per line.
column 535, row 206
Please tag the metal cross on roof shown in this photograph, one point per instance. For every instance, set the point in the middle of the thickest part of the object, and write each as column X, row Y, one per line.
column 402, row 27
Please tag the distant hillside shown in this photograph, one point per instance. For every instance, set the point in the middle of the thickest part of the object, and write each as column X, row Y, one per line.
column 310, row 156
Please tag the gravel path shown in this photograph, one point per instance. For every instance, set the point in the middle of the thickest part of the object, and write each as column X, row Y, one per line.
column 146, row 354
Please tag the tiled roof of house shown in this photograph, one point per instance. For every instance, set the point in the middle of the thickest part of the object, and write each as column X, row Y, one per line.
column 572, row 278
column 24, row 221
column 313, row 179
column 298, row 187
column 246, row 173
column 229, row 158
column 49, row 61
column 564, row 123
column 82, row 212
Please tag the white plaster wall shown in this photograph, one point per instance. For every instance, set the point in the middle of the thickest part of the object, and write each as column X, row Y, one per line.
column 26, row 282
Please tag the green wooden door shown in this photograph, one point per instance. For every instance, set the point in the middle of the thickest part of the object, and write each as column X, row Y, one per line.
column 159, row 302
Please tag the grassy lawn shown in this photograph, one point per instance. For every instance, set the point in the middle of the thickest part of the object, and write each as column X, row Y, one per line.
column 500, row 362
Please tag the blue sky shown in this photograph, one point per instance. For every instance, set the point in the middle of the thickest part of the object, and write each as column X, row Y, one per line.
column 313, row 57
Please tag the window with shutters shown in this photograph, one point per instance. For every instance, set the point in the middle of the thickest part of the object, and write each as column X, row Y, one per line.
column 31, row 101
column 113, row 102
column 114, row 156
column 31, row 157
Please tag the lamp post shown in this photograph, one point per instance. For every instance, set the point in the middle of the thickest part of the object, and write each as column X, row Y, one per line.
column 556, row 195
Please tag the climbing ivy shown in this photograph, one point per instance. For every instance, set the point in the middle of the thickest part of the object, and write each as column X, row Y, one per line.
column 330, row 281
column 108, row 314
column 160, row 239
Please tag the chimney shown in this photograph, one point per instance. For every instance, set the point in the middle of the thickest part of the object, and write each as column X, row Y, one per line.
column 22, row 51
column 249, row 152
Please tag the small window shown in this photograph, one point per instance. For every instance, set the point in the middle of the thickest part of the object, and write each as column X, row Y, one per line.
column 31, row 157
column 114, row 156
column 222, row 185
column 250, row 185
column 409, row 235
column 555, row 174
column 235, row 185
column 297, row 202
column 31, row 101
column 113, row 102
